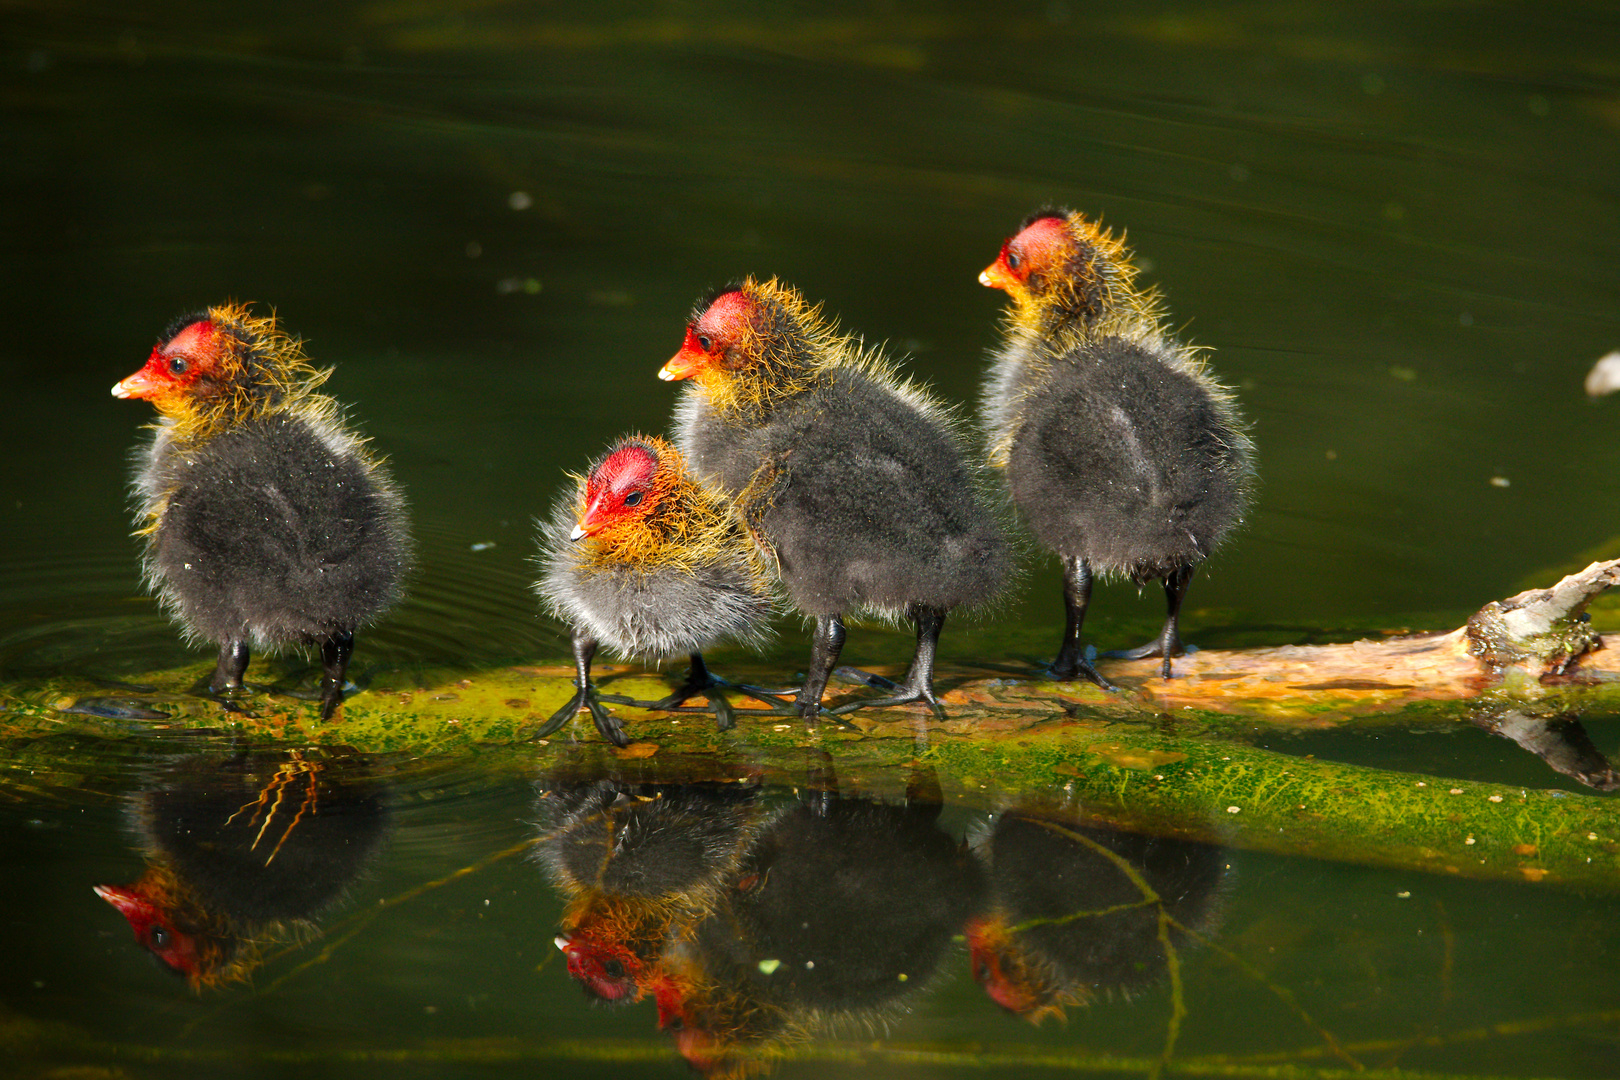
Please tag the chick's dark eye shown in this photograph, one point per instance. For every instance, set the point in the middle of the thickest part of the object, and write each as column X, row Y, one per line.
column 159, row 937
column 634, row 498
column 1013, row 261
column 704, row 343
column 614, row 969
column 178, row 365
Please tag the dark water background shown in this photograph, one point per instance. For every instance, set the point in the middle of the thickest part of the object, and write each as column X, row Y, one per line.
column 1394, row 224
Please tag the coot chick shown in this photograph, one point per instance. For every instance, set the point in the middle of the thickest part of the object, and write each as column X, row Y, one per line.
column 642, row 558
column 1122, row 454
column 852, row 479
column 1067, row 277
column 267, row 521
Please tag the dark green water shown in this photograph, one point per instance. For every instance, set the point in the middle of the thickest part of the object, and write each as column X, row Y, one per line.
column 1395, row 225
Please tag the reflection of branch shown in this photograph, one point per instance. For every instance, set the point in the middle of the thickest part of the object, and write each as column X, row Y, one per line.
column 1172, row 959
column 1448, row 955
column 976, row 1060
column 1178, row 1003
column 1448, row 939
column 359, row 921
column 362, row 919
column 1263, row 1063
column 1283, row 994
column 1124, row 865
column 1560, row 741
column 1075, row 916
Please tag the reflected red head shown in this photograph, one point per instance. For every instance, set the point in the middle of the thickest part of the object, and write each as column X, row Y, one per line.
column 154, row 929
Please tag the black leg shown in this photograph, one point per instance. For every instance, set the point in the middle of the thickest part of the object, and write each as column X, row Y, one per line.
column 824, row 650
column 232, row 666
column 1071, row 662
column 335, row 653
column 1168, row 643
column 585, row 696
column 1175, row 591
column 919, row 684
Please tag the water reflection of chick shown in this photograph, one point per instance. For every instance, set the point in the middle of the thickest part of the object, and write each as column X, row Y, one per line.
column 1074, row 912
column 245, row 851
column 640, row 863
column 842, row 912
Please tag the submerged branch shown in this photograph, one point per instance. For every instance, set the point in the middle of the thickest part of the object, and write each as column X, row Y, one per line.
column 976, row 1059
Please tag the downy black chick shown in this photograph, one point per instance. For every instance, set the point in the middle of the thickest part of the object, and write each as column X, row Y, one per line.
column 267, row 521
column 851, row 478
column 1122, row 454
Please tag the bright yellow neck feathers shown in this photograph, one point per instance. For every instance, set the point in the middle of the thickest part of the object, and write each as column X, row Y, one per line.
column 251, row 369
column 678, row 525
column 780, row 350
column 1085, row 284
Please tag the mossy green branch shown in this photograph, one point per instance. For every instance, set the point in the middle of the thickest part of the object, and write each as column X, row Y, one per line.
column 1120, row 757
column 1118, row 762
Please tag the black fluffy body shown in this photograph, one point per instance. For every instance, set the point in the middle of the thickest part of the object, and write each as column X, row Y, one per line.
column 277, row 531
column 860, row 493
column 256, row 843
column 1125, row 457
column 853, row 903
column 644, row 840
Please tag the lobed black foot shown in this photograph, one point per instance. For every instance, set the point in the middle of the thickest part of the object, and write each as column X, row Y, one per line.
column 586, row 697
column 1073, row 661
column 1074, row 670
column 919, row 684
column 825, row 645
column 701, row 682
column 811, row 712
column 864, row 678
column 1169, row 641
column 904, row 695
column 1142, row 652
column 1153, row 648
column 766, row 693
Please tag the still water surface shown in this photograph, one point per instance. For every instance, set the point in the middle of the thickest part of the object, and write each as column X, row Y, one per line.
column 1394, row 225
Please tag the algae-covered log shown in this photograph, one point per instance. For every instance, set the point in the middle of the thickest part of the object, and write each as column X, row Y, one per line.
column 1114, row 762
column 1160, row 756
